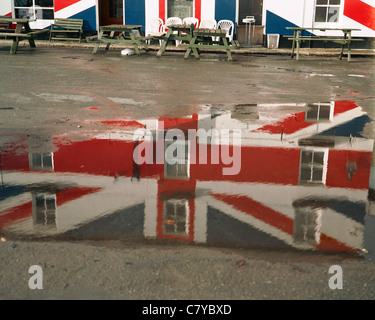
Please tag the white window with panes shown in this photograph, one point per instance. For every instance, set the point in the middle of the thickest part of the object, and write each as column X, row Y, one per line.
column 313, row 166
column 41, row 13
column 327, row 11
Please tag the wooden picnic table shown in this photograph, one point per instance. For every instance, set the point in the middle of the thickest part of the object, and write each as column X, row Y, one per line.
column 195, row 39
column 21, row 32
column 212, row 39
column 177, row 32
column 346, row 38
column 121, row 34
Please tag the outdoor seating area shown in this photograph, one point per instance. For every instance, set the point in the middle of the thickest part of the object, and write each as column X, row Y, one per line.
column 188, row 34
column 185, row 33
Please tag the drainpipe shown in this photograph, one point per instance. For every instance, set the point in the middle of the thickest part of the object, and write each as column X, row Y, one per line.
column 303, row 13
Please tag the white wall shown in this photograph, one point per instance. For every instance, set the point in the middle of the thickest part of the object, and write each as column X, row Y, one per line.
column 301, row 13
column 5, row 7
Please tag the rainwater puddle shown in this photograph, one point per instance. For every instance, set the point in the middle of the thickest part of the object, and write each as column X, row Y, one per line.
column 249, row 177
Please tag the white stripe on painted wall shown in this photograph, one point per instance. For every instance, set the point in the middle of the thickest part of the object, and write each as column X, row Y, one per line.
column 75, row 8
column 207, row 9
column 152, row 12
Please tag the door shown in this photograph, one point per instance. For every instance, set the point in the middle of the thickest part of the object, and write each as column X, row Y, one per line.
column 111, row 12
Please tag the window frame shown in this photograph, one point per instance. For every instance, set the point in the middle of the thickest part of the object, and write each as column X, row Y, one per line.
column 167, row 2
column 311, row 165
column 172, row 219
column 328, row 23
column 318, row 118
column 34, row 7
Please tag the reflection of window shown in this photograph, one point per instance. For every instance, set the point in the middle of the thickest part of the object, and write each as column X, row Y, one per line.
column 319, row 112
column 313, row 166
column 179, row 169
column 180, row 8
column 327, row 10
column 176, row 214
column 41, row 161
column 34, row 9
column 44, row 209
column 307, row 225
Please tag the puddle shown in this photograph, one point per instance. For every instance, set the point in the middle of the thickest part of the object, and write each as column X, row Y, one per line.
column 261, row 178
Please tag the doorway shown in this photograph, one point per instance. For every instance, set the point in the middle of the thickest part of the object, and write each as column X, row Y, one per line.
column 111, row 12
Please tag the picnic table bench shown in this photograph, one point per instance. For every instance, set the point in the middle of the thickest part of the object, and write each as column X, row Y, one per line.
column 212, row 39
column 177, row 32
column 6, row 23
column 195, row 39
column 21, row 32
column 345, row 39
column 63, row 27
column 120, row 34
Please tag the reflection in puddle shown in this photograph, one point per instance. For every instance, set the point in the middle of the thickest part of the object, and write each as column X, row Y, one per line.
column 303, row 183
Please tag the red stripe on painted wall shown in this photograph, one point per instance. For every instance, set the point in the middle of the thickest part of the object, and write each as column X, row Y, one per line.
column 361, row 12
column 62, row 4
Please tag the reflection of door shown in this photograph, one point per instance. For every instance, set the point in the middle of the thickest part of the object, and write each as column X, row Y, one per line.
column 111, row 12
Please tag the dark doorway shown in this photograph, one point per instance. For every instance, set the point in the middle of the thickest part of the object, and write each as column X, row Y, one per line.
column 111, row 12
column 250, row 8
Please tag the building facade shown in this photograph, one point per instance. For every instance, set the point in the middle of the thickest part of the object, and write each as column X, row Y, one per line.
column 272, row 16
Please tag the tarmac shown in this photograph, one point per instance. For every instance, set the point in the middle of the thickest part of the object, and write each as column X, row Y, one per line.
column 48, row 90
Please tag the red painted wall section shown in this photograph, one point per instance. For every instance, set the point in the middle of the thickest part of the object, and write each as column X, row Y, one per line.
column 343, row 106
column 361, row 12
column 288, row 125
column 61, row 4
column 16, row 159
column 162, row 13
column 337, row 176
column 198, row 9
column 262, row 165
column 162, row 10
column 97, row 157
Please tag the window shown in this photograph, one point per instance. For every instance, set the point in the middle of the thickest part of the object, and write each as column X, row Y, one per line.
column 44, row 209
column 327, row 10
column 307, row 226
column 34, row 9
column 313, row 166
column 319, row 112
column 177, row 167
column 41, row 161
column 180, row 8
column 176, row 214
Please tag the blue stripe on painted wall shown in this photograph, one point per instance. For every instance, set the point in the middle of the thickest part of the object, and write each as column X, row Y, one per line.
column 277, row 24
column 89, row 18
column 135, row 12
column 225, row 10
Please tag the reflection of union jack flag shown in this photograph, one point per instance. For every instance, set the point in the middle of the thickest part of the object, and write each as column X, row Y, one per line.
column 289, row 194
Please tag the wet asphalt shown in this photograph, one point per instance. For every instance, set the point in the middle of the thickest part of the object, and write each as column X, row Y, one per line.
column 48, row 91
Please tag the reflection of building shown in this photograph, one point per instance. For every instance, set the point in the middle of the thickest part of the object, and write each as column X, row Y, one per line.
column 291, row 192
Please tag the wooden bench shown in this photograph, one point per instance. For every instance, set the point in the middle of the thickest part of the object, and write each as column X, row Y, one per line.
column 21, row 32
column 127, row 35
column 212, row 39
column 346, row 39
column 62, row 29
column 5, row 24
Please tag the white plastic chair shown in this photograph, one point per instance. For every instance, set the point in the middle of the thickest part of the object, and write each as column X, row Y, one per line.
column 208, row 24
column 228, row 26
column 170, row 22
column 155, row 28
column 190, row 20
